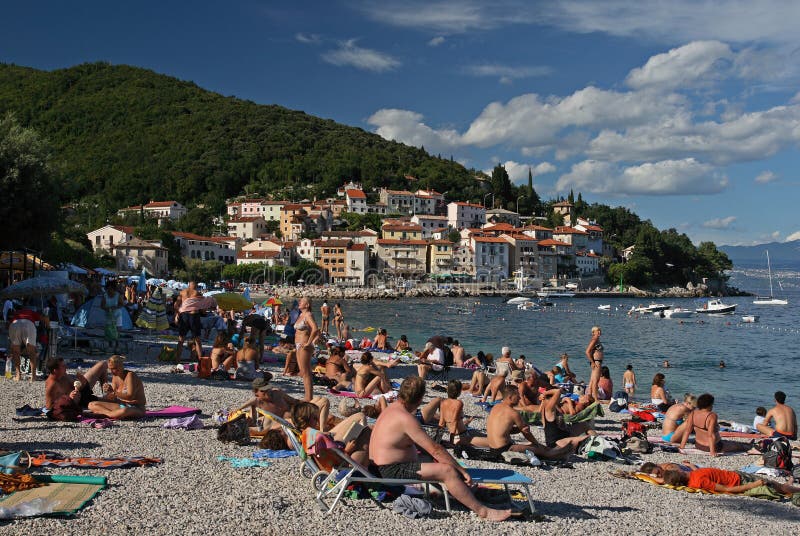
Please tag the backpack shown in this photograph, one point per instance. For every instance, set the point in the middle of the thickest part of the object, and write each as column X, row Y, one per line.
column 600, row 448
column 448, row 356
column 235, row 430
column 778, row 454
column 638, row 443
column 619, row 402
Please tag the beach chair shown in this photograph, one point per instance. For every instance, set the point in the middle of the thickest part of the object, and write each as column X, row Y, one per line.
column 308, row 467
column 350, row 472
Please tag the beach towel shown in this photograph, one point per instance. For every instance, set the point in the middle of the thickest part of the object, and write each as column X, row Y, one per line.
column 348, row 394
column 266, row 453
column 171, row 411
column 760, row 492
column 243, row 463
column 743, row 435
column 62, row 495
column 52, row 459
column 586, row 414
column 192, row 422
column 692, row 450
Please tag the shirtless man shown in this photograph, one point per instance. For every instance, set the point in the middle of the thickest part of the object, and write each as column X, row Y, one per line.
column 705, row 425
column 279, row 403
column 458, row 354
column 325, row 310
column 495, row 386
column 528, row 393
column 393, row 447
column 59, row 383
column 504, row 420
column 337, row 368
column 784, row 417
column 124, row 397
column 188, row 320
column 451, row 417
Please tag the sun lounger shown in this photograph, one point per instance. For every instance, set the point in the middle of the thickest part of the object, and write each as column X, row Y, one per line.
column 350, row 471
column 308, row 467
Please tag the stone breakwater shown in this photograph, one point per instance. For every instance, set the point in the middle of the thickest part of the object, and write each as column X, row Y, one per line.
column 363, row 293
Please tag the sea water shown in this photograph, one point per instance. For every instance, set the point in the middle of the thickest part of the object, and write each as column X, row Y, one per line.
column 759, row 358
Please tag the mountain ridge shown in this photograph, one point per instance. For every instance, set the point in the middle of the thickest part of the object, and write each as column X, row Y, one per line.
column 782, row 255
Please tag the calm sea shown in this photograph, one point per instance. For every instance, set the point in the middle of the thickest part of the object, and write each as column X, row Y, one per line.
column 760, row 358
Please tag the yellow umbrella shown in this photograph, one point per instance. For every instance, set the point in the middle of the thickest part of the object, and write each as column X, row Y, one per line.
column 233, row 301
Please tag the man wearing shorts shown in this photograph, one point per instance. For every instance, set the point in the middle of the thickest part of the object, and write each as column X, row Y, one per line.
column 22, row 334
column 784, row 418
column 393, row 443
column 60, row 384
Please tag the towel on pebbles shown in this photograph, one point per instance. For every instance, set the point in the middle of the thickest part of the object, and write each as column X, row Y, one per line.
column 266, row 453
column 192, row 422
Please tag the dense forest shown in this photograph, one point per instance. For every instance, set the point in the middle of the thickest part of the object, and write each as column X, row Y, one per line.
column 101, row 137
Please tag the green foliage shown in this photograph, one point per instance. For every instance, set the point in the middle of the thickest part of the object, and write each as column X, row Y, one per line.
column 199, row 270
column 357, row 222
column 713, row 262
column 454, row 236
column 123, row 135
column 197, row 221
column 30, row 198
column 501, row 186
column 61, row 249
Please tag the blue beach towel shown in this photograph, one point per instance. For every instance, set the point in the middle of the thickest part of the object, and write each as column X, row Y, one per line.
column 266, row 453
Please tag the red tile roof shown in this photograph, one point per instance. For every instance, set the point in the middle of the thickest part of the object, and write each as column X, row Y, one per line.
column 568, row 230
column 260, row 254
column 355, row 194
column 357, row 247
column 124, row 228
column 492, row 239
column 551, row 242
column 398, row 242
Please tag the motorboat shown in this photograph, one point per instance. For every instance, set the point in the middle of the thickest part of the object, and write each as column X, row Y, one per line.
column 604, row 307
column 771, row 299
column 678, row 312
column 555, row 293
column 517, row 300
column 529, row 306
column 750, row 319
column 716, row 307
column 650, row 309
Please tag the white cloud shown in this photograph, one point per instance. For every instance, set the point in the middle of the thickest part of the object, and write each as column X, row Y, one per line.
column 507, row 73
column 720, row 223
column 668, row 177
column 436, row 41
column 309, row 39
column 348, row 54
column 766, row 176
column 695, row 63
column 407, row 127
column 447, row 17
column 775, row 235
column 794, row 236
column 518, row 173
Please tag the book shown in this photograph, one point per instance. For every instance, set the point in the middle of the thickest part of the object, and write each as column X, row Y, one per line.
column 353, row 432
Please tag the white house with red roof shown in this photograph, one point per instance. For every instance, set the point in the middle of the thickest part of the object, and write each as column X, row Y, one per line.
column 134, row 254
column 270, row 258
column 462, row 215
column 208, row 248
column 107, row 236
column 578, row 239
column 491, row 257
column 356, row 263
column 595, row 232
column 356, row 201
column 284, row 250
column 429, row 223
column 160, row 210
column 588, row 262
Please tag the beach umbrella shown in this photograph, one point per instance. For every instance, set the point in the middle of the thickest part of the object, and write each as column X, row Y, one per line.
column 141, row 287
column 233, row 301
column 154, row 314
column 273, row 301
column 42, row 286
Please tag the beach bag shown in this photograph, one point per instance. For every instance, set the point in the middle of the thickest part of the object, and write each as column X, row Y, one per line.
column 630, row 428
column 65, row 409
column 10, row 463
column 167, row 354
column 638, row 443
column 600, row 448
column 778, row 454
column 235, row 431
column 618, row 402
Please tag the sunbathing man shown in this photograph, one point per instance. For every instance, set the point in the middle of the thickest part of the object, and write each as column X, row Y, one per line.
column 705, row 425
column 279, row 403
column 393, row 446
column 504, row 420
column 529, row 392
column 784, row 417
column 451, row 417
column 59, row 383
column 124, row 397
column 722, row 481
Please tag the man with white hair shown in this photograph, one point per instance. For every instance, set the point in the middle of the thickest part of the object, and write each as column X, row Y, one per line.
column 432, row 358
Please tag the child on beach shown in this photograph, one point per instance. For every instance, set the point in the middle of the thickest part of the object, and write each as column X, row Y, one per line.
column 761, row 412
column 629, row 380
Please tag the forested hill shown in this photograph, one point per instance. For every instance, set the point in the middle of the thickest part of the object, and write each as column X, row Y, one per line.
column 123, row 135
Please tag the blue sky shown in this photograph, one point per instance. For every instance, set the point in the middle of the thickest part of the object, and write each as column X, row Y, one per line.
column 687, row 112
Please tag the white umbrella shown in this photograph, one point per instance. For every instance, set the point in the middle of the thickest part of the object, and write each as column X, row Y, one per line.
column 42, row 286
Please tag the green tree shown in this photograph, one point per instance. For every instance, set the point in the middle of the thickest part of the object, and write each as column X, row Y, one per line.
column 30, row 197
column 198, row 221
column 501, row 186
column 713, row 261
column 199, row 270
column 454, row 236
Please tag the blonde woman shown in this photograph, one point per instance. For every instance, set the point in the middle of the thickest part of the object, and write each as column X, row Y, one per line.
column 306, row 334
column 595, row 354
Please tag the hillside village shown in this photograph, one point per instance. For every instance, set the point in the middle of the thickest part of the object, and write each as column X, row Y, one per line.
column 422, row 237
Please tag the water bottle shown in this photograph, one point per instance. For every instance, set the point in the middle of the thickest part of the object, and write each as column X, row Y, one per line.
column 9, row 368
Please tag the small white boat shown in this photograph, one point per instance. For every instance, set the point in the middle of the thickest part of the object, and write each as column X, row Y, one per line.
column 649, row 309
column 771, row 299
column 529, row 306
column 716, row 307
column 750, row 319
column 555, row 294
column 518, row 299
column 678, row 312
column 604, row 307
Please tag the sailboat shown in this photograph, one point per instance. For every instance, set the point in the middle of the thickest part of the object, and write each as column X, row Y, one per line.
column 771, row 299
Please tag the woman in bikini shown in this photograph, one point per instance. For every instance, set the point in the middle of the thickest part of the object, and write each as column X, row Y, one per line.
column 246, row 361
column 676, row 421
column 705, row 425
column 658, row 395
column 595, row 354
column 338, row 321
column 306, row 334
column 222, row 354
column 372, row 376
column 326, row 315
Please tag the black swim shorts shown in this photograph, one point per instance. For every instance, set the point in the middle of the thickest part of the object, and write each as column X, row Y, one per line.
column 401, row 470
column 189, row 322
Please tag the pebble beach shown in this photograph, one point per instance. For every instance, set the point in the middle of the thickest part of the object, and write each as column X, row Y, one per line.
column 192, row 492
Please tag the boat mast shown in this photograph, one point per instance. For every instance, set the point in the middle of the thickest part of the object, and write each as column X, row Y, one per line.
column 769, row 270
